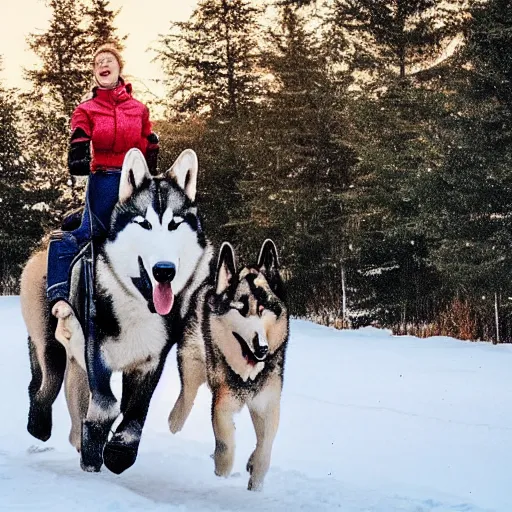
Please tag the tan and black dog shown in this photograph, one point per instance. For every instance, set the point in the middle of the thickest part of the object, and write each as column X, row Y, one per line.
column 235, row 340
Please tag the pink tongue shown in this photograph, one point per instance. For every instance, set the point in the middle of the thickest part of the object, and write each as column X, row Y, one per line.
column 163, row 298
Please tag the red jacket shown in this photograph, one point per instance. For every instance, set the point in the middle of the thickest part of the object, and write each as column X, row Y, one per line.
column 114, row 122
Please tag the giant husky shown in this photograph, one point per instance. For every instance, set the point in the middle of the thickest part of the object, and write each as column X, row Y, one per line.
column 155, row 251
column 235, row 339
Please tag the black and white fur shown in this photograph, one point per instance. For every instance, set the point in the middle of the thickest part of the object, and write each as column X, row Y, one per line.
column 235, row 339
column 154, row 252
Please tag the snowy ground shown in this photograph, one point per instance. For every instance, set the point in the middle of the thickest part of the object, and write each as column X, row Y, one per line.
column 370, row 422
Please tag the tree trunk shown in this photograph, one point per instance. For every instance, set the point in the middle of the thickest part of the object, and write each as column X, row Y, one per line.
column 343, row 296
column 497, row 318
column 402, row 61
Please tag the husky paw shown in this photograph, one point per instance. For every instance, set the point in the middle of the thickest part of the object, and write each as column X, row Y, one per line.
column 90, row 468
column 175, row 422
column 254, row 485
column 222, row 472
column 120, row 452
column 223, row 463
column 118, row 457
column 94, row 436
column 40, row 422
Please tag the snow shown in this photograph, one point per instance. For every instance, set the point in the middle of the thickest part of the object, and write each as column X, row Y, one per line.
column 370, row 422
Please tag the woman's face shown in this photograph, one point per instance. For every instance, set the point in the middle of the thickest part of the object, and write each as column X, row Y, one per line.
column 106, row 70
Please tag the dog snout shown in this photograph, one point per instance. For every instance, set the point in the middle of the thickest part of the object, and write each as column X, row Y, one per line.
column 164, row 271
column 260, row 350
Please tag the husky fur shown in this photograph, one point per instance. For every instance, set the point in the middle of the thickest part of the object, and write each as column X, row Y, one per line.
column 235, row 339
column 154, row 228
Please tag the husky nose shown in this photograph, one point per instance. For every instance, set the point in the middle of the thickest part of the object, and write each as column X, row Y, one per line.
column 164, row 271
column 260, row 351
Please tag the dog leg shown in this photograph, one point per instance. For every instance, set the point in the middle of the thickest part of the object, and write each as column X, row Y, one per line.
column 48, row 364
column 224, row 407
column 121, row 451
column 264, row 409
column 77, row 397
column 47, row 356
column 192, row 375
column 103, row 407
column 102, row 411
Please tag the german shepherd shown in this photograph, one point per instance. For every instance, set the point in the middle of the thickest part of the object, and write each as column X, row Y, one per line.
column 235, row 339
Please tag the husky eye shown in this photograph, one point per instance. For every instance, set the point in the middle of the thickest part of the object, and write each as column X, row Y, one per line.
column 174, row 224
column 142, row 222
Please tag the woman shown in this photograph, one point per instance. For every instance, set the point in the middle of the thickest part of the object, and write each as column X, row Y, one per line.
column 103, row 129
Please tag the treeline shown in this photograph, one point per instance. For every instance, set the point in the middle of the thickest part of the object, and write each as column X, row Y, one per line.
column 370, row 139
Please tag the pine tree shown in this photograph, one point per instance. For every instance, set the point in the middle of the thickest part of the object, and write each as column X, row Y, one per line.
column 387, row 34
column 394, row 131
column 488, row 42
column 210, row 59
column 101, row 25
column 397, row 139
column 304, row 164
column 22, row 209
column 468, row 219
column 434, row 184
column 64, row 53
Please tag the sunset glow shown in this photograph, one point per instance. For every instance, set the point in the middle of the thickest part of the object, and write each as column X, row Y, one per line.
column 141, row 22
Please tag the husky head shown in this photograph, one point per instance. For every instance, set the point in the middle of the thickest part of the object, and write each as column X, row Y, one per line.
column 155, row 240
column 249, row 320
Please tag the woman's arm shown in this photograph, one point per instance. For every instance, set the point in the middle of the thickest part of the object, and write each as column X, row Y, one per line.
column 79, row 153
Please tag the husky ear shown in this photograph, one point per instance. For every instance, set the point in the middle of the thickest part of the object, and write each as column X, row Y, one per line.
column 226, row 268
column 268, row 263
column 268, row 260
column 184, row 172
column 134, row 172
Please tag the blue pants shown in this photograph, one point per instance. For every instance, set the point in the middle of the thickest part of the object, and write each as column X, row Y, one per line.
column 100, row 198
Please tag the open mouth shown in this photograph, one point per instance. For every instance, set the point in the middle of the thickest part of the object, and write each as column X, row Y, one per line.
column 247, row 353
column 160, row 298
column 105, row 73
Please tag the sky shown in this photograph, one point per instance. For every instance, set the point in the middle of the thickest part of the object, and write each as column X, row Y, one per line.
column 370, row 422
column 142, row 21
